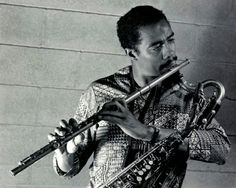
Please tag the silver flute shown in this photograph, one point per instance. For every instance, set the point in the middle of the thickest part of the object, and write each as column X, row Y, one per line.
column 61, row 141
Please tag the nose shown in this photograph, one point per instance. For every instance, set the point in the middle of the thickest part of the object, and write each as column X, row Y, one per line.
column 168, row 51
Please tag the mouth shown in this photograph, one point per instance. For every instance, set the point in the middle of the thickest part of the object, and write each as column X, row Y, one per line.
column 165, row 67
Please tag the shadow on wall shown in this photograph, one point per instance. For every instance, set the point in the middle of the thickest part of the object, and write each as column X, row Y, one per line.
column 215, row 45
column 215, row 41
column 215, row 53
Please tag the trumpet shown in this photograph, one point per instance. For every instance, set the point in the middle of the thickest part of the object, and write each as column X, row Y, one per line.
column 61, row 141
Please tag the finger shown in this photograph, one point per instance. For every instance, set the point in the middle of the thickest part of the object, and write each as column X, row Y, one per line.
column 109, row 106
column 111, row 114
column 112, row 119
column 51, row 137
column 73, row 123
column 78, row 139
column 63, row 123
column 120, row 106
column 122, row 102
column 59, row 131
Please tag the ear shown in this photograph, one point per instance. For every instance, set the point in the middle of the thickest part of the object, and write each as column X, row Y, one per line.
column 131, row 53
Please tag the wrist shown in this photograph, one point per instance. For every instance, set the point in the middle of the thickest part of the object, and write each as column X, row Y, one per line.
column 153, row 134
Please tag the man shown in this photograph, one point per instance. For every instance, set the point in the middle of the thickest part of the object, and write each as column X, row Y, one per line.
column 129, row 130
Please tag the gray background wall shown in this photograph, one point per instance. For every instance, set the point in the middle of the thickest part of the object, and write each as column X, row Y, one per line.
column 51, row 50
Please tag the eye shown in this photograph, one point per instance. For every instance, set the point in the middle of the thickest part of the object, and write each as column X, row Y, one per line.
column 158, row 47
column 171, row 40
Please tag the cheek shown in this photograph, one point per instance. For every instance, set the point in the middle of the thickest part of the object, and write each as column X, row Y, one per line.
column 172, row 46
column 155, row 59
column 151, row 64
column 153, row 56
column 150, row 61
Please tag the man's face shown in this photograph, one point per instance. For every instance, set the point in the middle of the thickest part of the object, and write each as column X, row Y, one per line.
column 156, row 50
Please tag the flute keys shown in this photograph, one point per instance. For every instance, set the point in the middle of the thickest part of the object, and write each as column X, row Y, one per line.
column 150, row 162
column 148, row 167
column 140, row 172
column 139, row 179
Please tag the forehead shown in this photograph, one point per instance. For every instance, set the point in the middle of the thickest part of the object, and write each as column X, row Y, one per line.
column 155, row 32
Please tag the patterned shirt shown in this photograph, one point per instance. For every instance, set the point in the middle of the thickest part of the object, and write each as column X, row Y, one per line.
column 111, row 147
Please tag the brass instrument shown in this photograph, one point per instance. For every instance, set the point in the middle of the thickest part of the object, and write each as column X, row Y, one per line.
column 154, row 162
column 61, row 141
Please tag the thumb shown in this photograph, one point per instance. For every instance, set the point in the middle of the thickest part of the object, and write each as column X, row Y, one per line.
column 78, row 139
column 73, row 144
column 122, row 102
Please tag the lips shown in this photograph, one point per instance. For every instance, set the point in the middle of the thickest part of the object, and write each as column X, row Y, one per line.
column 165, row 67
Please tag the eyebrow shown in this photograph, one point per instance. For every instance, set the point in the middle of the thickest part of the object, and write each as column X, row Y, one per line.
column 161, row 41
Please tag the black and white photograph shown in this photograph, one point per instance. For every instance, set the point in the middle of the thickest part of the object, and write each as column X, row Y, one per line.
column 117, row 94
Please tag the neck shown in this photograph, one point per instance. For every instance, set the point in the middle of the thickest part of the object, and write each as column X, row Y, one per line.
column 140, row 78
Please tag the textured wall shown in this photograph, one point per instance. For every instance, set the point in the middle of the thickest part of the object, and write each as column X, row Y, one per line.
column 51, row 50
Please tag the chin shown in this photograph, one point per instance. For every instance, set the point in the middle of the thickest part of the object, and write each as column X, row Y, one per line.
column 163, row 71
column 155, row 75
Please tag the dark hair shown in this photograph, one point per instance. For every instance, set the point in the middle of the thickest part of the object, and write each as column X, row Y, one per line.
column 129, row 24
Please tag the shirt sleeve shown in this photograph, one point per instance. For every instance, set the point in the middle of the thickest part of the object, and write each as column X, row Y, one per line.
column 210, row 144
column 87, row 106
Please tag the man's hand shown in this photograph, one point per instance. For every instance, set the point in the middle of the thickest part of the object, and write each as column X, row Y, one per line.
column 61, row 131
column 117, row 112
column 183, row 148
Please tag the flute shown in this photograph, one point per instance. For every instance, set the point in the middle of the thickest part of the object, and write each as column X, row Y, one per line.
column 61, row 141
